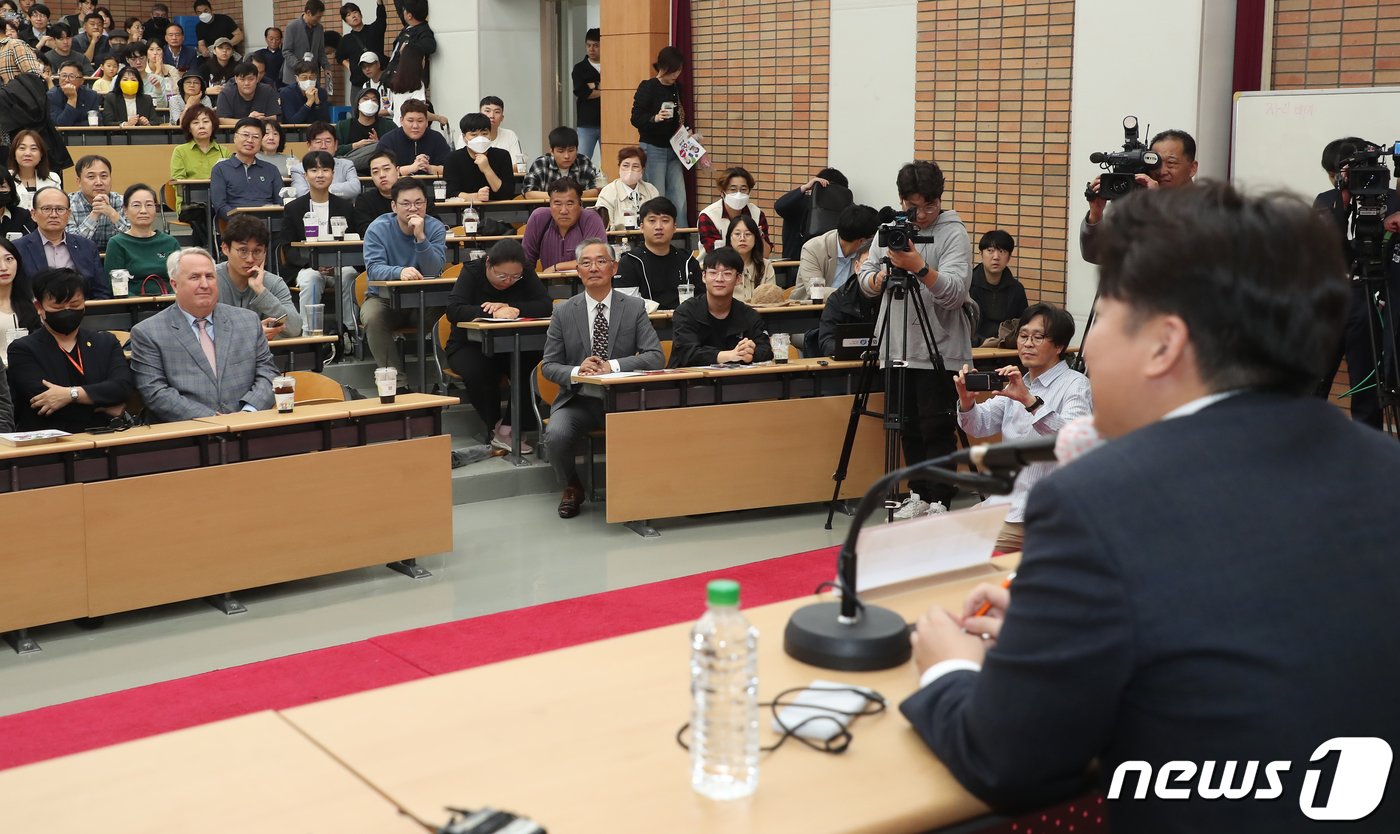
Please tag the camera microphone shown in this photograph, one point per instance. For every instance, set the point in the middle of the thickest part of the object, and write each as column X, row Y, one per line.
column 888, row 215
column 1098, row 157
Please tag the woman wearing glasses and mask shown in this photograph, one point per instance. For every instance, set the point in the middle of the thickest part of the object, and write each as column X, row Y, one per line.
column 63, row 375
column 1035, row 403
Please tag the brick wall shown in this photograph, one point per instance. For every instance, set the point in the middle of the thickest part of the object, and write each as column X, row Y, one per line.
column 761, row 98
column 994, row 79
column 1335, row 43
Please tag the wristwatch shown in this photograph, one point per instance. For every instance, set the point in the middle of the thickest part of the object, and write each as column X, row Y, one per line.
column 1037, row 403
column 73, row 393
column 923, row 273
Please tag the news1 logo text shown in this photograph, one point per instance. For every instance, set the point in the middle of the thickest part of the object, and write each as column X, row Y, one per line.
column 1345, row 779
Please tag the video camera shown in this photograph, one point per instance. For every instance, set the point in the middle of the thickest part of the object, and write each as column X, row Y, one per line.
column 1123, row 166
column 897, row 232
column 1362, row 173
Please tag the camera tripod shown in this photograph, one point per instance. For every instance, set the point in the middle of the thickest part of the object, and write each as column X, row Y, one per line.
column 903, row 288
column 1369, row 275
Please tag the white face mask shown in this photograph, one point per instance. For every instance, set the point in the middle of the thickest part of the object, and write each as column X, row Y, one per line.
column 307, row 83
column 479, row 144
column 631, row 178
column 206, row 17
column 736, row 200
column 368, row 107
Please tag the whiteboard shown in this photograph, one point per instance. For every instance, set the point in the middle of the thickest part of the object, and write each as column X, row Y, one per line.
column 1278, row 136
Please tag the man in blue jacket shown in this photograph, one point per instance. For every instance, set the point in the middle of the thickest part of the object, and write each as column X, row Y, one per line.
column 71, row 101
column 49, row 247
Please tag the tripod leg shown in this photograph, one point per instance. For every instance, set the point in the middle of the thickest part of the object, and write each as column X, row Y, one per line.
column 858, row 409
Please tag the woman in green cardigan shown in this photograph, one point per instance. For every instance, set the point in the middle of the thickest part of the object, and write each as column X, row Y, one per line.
column 194, row 160
column 142, row 250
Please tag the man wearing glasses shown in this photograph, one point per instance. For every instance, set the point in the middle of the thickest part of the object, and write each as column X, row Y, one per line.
column 596, row 332
column 941, row 273
column 406, row 245
column 51, row 247
column 71, row 101
column 1035, row 404
column 243, row 180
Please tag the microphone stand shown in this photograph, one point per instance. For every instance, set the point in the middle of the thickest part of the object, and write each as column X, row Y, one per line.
column 849, row 636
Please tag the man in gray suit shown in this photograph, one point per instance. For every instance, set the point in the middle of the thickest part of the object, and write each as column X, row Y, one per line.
column 596, row 332
column 197, row 357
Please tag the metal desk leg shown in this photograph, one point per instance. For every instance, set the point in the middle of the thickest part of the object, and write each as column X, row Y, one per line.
column 409, row 568
column 21, row 642
column 642, row 528
column 516, row 412
column 227, row 604
column 422, row 359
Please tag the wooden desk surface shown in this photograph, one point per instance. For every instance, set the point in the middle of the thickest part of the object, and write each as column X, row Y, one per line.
column 408, row 285
column 129, row 300
column 357, row 243
column 270, row 418
column 667, row 375
column 505, row 324
column 256, row 770
column 581, row 740
column 72, row 443
column 149, row 434
column 556, row 276
column 257, row 210
column 302, row 341
column 402, row 402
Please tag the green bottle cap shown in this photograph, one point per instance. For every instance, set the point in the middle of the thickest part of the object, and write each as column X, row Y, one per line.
column 722, row 592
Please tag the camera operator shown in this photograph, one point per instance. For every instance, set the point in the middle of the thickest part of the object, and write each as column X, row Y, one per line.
column 1178, row 152
column 940, row 272
column 1355, row 346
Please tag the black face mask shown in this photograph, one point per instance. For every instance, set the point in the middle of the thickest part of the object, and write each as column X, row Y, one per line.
column 63, row 322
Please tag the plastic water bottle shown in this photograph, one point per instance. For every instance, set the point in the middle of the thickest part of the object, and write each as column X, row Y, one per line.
column 470, row 220
column 724, row 688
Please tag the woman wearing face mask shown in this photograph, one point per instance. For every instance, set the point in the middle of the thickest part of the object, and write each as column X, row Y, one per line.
column 62, row 375
column 141, row 250
column 14, row 218
column 622, row 198
column 193, row 90
column 128, row 105
column 357, row 135
column 479, row 172
column 16, row 300
column 29, row 165
column 734, row 187
column 743, row 237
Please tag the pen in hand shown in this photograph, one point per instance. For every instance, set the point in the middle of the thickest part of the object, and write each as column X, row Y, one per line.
column 987, row 606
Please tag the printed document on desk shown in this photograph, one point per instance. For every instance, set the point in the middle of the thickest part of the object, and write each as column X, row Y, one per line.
column 891, row 553
column 616, row 375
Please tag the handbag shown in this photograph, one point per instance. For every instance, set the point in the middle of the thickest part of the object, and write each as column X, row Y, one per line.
column 824, row 207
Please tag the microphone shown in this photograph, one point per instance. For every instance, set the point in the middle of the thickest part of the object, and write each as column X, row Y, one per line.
column 1098, row 157
column 1010, row 455
column 888, row 214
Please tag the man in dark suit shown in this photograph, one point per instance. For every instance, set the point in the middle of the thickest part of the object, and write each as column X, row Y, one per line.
column 197, row 357
column 50, row 246
column 71, row 101
column 596, row 332
column 1210, row 596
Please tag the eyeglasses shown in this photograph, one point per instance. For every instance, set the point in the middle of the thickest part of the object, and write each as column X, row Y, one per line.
column 589, row 263
column 721, row 273
column 508, row 277
column 245, row 136
column 416, row 204
column 253, row 254
column 51, row 210
column 1032, row 339
column 922, row 211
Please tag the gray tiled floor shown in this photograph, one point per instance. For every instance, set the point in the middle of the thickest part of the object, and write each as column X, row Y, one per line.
column 507, row 554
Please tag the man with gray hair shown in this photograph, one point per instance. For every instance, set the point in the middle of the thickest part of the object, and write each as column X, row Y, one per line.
column 596, row 332
column 197, row 357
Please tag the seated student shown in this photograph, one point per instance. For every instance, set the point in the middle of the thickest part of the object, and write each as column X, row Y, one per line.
column 829, row 260
column 416, row 149
column 493, row 108
column 36, row 34
column 95, row 211
column 244, row 283
column 64, row 376
column 71, row 101
column 1035, row 404
column 847, row 305
column 50, row 246
column 218, row 68
column 195, row 160
column 998, row 294
column 117, row 41
column 61, row 50
column 91, row 42
column 373, row 70
column 320, row 136
column 317, row 170
column 304, row 101
column 177, row 53
column 128, row 105
column 716, row 328
column 159, row 75
column 273, row 148
column 656, row 267
column 563, row 160
column 358, row 134
column 553, row 233
column 13, row 216
column 140, row 249
column 16, row 301
column 479, row 172
column 29, row 163
column 595, row 332
column 407, row 245
column 107, row 75
column 792, row 208
column 192, row 89
column 376, row 200
column 734, row 185
column 197, row 357
column 499, row 286
column 622, row 199
column 743, row 237
column 248, row 99
column 244, row 180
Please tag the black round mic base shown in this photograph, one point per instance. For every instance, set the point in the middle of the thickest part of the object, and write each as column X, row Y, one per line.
column 879, row 639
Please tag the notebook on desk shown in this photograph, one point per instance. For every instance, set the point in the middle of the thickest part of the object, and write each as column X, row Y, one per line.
column 852, row 340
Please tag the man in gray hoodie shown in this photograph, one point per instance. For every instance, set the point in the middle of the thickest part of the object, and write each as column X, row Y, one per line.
column 942, row 275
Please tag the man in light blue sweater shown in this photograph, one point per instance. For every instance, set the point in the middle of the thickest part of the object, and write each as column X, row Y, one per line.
column 406, row 245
